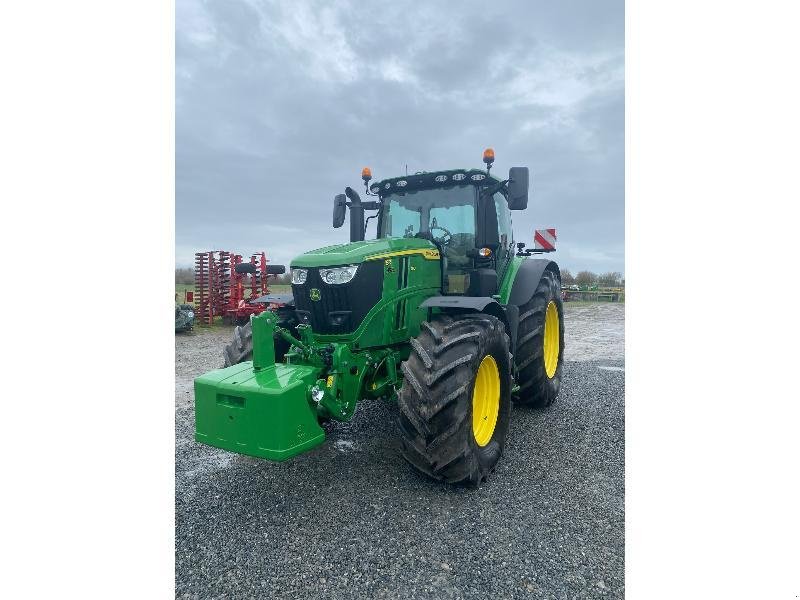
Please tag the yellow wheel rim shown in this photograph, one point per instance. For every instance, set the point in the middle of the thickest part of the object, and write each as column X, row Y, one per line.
column 551, row 341
column 485, row 401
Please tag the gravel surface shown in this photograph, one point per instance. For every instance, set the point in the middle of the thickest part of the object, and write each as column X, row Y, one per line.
column 351, row 519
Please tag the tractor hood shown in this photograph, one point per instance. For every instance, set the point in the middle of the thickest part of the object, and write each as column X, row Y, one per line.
column 357, row 252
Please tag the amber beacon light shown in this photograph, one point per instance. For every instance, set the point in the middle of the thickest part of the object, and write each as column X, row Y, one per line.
column 488, row 156
column 366, row 174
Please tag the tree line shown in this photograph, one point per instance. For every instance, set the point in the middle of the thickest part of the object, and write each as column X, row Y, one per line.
column 184, row 276
column 588, row 278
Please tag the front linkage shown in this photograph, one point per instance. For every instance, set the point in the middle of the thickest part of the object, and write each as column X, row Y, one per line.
column 273, row 410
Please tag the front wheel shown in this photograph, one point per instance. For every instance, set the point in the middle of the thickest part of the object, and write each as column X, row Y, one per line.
column 455, row 402
column 241, row 347
column 540, row 344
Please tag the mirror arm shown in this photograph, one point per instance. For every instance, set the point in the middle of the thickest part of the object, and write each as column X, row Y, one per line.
column 365, row 205
column 371, row 206
column 496, row 188
column 366, row 223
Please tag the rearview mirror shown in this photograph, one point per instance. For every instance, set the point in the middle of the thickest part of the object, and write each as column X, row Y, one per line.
column 518, row 188
column 276, row 269
column 339, row 208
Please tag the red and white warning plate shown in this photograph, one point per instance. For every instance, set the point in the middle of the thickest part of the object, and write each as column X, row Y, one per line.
column 544, row 239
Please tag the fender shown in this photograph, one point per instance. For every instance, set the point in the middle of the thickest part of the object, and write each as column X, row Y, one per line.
column 481, row 304
column 522, row 289
column 527, row 280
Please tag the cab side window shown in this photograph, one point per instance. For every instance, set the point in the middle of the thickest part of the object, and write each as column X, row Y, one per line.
column 504, row 226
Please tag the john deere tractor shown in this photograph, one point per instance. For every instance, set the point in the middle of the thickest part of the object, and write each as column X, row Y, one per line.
column 443, row 313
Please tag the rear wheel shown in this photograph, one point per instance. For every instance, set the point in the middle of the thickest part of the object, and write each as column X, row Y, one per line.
column 540, row 344
column 455, row 402
column 241, row 347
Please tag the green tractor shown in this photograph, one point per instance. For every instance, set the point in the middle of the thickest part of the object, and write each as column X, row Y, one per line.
column 442, row 313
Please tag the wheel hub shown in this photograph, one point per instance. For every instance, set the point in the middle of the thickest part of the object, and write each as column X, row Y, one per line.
column 485, row 400
column 551, row 339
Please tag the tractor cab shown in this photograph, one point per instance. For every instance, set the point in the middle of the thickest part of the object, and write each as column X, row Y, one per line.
column 470, row 225
column 465, row 213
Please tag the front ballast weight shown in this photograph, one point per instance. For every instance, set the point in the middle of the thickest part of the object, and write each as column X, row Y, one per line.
column 273, row 410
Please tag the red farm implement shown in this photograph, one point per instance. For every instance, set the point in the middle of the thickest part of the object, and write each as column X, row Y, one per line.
column 226, row 286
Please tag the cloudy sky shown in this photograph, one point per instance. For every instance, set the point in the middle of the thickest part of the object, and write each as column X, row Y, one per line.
column 280, row 104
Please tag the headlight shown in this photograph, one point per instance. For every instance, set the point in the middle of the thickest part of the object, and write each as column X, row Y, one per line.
column 338, row 275
column 299, row 276
column 191, row 314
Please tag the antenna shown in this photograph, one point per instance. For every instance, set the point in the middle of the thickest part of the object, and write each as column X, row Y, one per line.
column 406, row 168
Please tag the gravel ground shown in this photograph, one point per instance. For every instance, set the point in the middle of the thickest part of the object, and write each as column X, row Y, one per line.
column 351, row 519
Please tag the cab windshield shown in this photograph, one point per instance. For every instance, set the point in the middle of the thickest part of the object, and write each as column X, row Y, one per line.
column 436, row 212
column 445, row 215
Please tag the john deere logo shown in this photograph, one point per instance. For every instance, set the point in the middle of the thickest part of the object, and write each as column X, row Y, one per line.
column 315, row 294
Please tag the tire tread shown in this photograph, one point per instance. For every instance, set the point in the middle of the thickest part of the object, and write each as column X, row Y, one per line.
column 435, row 401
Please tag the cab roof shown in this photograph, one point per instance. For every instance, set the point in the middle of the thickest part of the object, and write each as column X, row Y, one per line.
column 433, row 179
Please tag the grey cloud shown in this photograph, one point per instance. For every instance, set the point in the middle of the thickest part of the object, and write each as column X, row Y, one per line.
column 279, row 105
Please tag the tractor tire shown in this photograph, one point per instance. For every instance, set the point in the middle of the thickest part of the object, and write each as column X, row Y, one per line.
column 241, row 347
column 455, row 401
column 540, row 345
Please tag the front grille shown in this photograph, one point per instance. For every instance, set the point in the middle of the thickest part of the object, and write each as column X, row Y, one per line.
column 340, row 308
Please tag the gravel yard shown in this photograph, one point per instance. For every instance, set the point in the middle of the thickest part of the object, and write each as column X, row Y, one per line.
column 351, row 519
